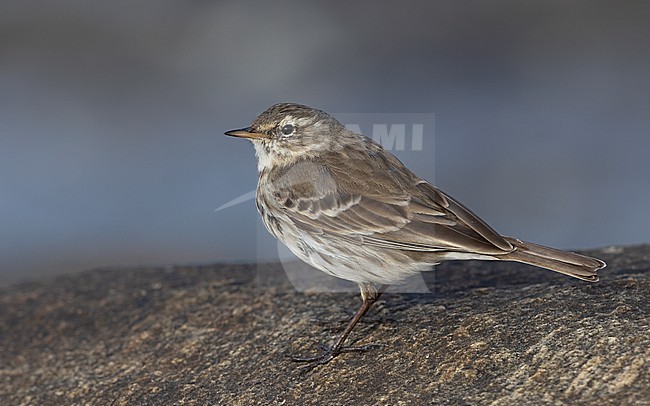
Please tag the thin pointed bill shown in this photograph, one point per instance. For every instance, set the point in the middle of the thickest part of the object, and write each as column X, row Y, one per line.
column 247, row 132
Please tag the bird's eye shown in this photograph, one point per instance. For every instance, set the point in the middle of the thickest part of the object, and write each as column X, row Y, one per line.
column 287, row 129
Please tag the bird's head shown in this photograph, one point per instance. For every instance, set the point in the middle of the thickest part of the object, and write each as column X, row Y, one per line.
column 287, row 131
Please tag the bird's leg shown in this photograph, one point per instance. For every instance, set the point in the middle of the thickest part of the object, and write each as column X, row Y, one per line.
column 339, row 324
column 369, row 295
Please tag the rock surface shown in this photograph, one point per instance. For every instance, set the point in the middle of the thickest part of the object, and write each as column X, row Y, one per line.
column 489, row 332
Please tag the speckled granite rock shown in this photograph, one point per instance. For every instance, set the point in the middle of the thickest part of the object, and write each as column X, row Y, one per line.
column 489, row 333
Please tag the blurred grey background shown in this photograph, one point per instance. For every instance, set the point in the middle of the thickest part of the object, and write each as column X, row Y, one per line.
column 112, row 114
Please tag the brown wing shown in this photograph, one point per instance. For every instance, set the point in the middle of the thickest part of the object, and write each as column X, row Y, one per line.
column 369, row 197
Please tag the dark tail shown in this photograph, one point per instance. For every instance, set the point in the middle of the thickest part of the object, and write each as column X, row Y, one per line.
column 568, row 263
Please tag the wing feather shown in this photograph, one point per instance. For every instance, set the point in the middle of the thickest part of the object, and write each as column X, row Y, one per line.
column 379, row 202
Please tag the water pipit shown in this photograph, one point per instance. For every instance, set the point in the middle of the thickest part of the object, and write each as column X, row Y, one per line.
column 346, row 206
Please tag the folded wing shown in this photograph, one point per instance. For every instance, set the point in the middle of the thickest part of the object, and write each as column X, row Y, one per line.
column 375, row 200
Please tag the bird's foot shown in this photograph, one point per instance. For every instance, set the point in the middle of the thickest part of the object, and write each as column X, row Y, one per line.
column 329, row 353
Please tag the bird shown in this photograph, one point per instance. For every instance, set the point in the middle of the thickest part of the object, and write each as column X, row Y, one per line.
column 347, row 206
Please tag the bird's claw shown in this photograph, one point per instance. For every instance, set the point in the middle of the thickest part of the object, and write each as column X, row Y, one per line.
column 329, row 353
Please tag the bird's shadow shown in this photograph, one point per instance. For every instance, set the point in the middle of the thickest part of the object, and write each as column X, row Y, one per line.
column 446, row 279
